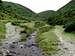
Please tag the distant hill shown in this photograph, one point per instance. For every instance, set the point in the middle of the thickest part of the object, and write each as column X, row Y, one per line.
column 66, row 12
column 62, row 16
column 46, row 14
column 15, row 10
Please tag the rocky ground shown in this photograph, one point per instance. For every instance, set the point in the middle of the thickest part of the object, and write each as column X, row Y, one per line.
column 13, row 48
column 67, row 47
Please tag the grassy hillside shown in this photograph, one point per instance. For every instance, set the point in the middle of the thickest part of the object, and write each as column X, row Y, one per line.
column 15, row 10
column 64, row 16
column 68, row 12
column 68, row 9
column 46, row 14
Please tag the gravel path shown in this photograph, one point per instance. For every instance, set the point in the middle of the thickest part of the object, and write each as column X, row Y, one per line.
column 12, row 33
column 67, row 46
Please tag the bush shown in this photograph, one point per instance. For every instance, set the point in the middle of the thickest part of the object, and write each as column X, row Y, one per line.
column 55, row 21
column 15, row 23
column 39, row 24
column 45, row 29
column 0, row 1
column 70, row 26
column 23, row 32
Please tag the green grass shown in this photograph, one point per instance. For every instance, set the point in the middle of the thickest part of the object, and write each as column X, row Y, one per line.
column 28, row 24
column 70, row 36
column 28, row 27
column 66, row 35
column 48, row 42
column 23, row 37
column 2, row 31
column 2, row 27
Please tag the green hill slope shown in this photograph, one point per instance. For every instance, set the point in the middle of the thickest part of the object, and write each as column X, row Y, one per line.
column 68, row 11
column 15, row 10
column 46, row 14
column 65, row 13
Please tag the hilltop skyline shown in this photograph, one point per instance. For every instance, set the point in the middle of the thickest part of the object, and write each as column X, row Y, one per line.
column 41, row 5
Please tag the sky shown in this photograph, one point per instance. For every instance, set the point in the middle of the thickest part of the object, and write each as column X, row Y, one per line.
column 41, row 5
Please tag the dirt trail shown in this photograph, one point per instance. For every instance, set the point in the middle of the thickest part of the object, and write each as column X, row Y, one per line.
column 67, row 46
column 12, row 33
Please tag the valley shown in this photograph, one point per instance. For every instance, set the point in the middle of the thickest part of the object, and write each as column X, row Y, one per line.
column 25, row 33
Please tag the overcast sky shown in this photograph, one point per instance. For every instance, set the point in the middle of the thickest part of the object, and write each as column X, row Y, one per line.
column 41, row 5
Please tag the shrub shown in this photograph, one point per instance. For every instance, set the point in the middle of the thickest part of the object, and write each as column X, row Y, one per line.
column 39, row 24
column 70, row 26
column 45, row 29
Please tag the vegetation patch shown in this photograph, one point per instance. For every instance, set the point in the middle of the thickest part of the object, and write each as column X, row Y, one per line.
column 48, row 42
column 70, row 36
column 2, row 31
column 66, row 35
column 27, row 27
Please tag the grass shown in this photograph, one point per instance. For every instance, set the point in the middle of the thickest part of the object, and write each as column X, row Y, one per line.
column 48, row 42
column 23, row 37
column 2, row 31
column 29, row 24
column 24, row 23
column 70, row 36
column 28, row 28
column 67, row 35
column 2, row 27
